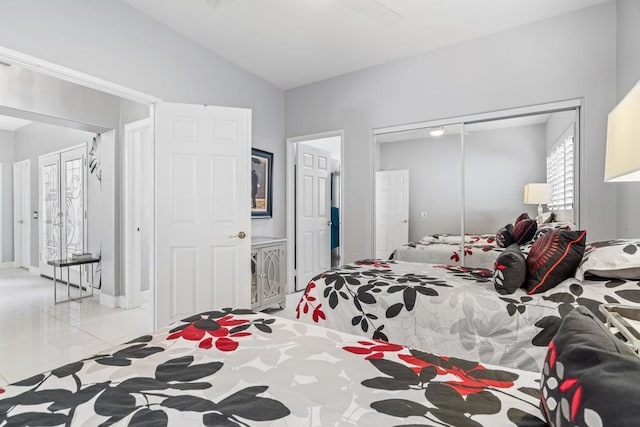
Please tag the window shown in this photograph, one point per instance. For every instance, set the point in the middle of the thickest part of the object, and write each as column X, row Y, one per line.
column 560, row 172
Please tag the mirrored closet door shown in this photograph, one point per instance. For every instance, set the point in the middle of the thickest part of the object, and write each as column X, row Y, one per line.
column 474, row 177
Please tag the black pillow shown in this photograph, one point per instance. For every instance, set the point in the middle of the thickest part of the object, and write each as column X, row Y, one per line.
column 504, row 236
column 522, row 216
column 589, row 377
column 554, row 257
column 509, row 270
column 524, row 231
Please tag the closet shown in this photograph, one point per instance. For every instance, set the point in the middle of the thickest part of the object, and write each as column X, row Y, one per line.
column 467, row 174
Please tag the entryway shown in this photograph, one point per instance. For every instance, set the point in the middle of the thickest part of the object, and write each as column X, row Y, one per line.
column 314, row 201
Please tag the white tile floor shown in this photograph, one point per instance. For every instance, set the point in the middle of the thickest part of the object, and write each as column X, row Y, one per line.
column 36, row 335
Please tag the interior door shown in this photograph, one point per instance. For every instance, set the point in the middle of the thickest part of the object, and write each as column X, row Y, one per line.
column 392, row 211
column 313, row 220
column 203, row 211
column 21, row 213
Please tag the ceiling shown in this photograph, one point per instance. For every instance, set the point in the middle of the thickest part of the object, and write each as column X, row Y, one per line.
column 11, row 123
column 291, row 43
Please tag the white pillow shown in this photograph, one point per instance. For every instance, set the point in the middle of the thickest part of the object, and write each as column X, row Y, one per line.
column 614, row 259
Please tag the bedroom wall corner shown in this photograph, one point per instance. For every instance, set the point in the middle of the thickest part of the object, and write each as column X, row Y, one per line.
column 627, row 74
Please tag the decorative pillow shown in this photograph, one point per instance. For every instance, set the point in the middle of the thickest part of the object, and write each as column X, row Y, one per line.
column 553, row 258
column 589, row 377
column 524, row 231
column 615, row 259
column 504, row 236
column 509, row 270
column 520, row 217
column 545, row 227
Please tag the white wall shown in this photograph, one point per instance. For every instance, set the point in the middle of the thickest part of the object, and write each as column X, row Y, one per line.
column 7, row 158
column 111, row 40
column 557, row 124
column 498, row 163
column 565, row 57
column 628, row 74
column 32, row 141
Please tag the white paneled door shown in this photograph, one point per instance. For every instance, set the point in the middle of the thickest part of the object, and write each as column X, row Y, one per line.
column 203, row 210
column 63, row 209
column 392, row 211
column 22, row 213
column 313, row 219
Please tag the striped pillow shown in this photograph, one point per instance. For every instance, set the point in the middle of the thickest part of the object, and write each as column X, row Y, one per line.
column 553, row 258
column 524, row 231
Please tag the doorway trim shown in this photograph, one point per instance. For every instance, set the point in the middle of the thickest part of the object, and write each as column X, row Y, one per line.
column 86, row 80
column 291, row 144
column 132, row 261
column 25, row 189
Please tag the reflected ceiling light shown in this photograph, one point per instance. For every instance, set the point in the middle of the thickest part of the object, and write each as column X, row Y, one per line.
column 439, row 131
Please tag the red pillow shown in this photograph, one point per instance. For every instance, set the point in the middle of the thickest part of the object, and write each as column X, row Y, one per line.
column 554, row 257
column 524, row 230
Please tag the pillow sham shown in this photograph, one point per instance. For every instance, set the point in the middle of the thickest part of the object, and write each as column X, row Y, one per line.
column 553, row 258
column 509, row 270
column 589, row 377
column 504, row 236
column 520, row 217
column 615, row 259
column 524, row 231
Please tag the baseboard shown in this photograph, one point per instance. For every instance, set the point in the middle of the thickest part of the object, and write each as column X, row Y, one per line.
column 109, row 301
column 34, row 270
column 7, row 265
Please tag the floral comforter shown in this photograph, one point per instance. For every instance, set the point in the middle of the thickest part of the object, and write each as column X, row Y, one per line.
column 236, row 368
column 480, row 251
column 450, row 309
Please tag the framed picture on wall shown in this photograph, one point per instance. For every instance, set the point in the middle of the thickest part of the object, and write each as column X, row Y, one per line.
column 261, row 187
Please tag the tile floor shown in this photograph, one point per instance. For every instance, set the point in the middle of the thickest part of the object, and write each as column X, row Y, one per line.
column 36, row 335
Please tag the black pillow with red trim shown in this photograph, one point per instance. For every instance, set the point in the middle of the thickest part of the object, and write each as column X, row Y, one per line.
column 504, row 236
column 589, row 377
column 524, row 231
column 554, row 257
column 509, row 270
column 522, row 216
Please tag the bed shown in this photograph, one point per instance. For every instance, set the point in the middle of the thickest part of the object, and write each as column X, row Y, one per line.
column 234, row 367
column 480, row 251
column 450, row 309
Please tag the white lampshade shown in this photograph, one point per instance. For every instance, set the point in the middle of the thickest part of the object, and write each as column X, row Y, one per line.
column 623, row 139
column 536, row 193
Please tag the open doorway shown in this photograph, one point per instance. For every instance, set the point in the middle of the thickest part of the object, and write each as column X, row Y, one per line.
column 314, row 202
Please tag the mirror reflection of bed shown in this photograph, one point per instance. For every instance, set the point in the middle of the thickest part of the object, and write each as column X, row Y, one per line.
column 472, row 177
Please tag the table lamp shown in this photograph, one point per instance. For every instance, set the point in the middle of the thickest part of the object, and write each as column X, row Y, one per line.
column 622, row 162
column 537, row 194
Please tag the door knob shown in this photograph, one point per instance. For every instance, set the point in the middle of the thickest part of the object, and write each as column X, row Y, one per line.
column 405, row 221
column 240, row 235
column 329, row 223
column 20, row 221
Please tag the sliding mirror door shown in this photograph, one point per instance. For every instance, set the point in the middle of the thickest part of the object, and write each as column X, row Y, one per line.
column 512, row 166
column 418, row 193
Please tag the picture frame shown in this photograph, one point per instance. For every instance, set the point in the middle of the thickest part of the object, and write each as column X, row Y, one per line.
column 261, row 183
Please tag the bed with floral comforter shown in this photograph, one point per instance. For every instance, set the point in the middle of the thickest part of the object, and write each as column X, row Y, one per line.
column 238, row 368
column 451, row 309
column 480, row 251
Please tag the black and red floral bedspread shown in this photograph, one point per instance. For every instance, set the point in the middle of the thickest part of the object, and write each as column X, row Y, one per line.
column 237, row 368
column 450, row 309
